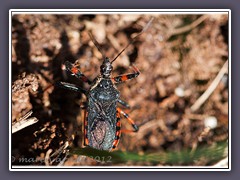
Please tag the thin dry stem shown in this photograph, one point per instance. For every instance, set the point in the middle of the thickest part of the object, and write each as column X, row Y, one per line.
column 210, row 89
column 24, row 122
column 188, row 27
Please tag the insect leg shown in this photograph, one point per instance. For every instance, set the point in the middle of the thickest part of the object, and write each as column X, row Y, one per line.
column 72, row 87
column 135, row 127
column 76, row 72
column 83, row 105
column 85, row 126
column 118, row 131
column 125, row 77
column 125, row 104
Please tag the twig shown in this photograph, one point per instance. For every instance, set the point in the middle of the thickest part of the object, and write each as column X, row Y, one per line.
column 24, row 122
column 55, row 157
column 114, row 42
column 188, row 27
column 47, row 157
column 210, row 89
column 151, row 125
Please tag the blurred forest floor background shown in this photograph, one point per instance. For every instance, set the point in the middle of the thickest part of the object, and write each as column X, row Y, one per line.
column 180, row 57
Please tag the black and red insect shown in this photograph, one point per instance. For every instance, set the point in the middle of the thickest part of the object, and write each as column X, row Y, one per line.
column 102, row 126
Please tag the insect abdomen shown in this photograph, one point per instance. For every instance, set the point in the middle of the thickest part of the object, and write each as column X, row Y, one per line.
column 102, row 135
column 101, row 120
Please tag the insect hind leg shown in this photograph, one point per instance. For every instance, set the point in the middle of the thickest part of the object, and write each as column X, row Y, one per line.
column 118, row 127
column 85, row 126
column 118, row 132
column 131, row 121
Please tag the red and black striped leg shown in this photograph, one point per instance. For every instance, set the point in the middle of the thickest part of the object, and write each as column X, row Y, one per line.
column 126, row 77
column 135, row 127
column 118, row 132
column 70, row 86
column 85, row 142
column 76, row 72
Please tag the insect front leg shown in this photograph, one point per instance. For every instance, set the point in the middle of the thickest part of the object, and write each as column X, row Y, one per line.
column 125, row 77
column 76, row 72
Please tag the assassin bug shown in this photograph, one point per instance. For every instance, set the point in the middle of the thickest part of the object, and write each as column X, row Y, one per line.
column 102, row 126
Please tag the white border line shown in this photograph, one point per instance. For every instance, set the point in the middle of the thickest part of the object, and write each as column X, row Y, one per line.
column 119, row 11
column 116, row 11
column 229, row 90
column 10, row 89
column 117, row 168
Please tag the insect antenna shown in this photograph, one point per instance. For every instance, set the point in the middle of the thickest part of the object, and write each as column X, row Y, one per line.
column 134, row 39
column 96, row 44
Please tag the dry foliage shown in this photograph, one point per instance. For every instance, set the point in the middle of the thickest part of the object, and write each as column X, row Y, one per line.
column 177, row 66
